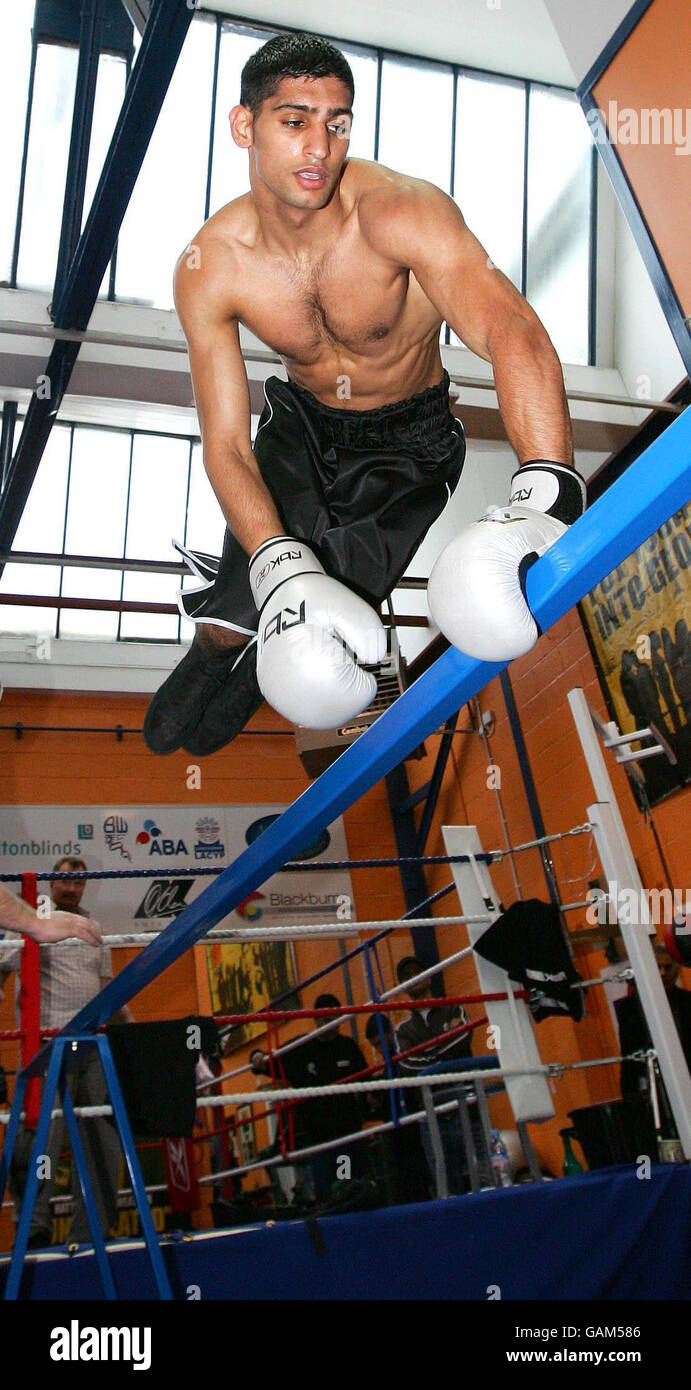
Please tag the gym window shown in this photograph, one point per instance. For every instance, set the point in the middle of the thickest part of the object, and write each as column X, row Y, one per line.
column 516, row 155
column 143, row 488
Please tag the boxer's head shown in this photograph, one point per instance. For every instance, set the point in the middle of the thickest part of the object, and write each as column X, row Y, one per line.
column 296, row 99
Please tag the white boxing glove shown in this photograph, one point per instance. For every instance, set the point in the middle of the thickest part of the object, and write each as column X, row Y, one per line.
column 476, row 591
column 313, row 632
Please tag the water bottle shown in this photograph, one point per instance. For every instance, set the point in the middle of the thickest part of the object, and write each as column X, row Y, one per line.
column 571, row 1165
column 500, row 1160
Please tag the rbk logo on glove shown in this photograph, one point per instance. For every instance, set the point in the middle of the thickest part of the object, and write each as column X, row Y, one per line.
column 280, row 623
column 273, row 563
column 313, row 635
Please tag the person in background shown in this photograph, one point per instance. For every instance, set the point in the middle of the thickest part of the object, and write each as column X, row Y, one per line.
column 424, row 1025
column 633, row 1029
column 70, row 976
column 431, row 1025
column 321, row 1061
column 401, row 1148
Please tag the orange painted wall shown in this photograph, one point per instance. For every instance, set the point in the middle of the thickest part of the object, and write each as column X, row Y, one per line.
column 52, row 768
column 647, row 76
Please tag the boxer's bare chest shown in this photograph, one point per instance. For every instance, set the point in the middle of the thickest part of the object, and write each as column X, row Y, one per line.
column 342, row 299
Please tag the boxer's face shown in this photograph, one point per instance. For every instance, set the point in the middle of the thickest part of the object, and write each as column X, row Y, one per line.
column 299, row 141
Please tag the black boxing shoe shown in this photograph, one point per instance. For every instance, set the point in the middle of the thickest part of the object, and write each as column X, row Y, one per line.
column 231, row 705
column 183, row 697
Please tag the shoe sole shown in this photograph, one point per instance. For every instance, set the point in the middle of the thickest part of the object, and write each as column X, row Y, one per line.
column 227, row 713
column 165, row 734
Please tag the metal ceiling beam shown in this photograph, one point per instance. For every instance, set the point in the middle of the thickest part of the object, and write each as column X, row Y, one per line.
column 160, row 49
column 138, row 11
column 80, row 140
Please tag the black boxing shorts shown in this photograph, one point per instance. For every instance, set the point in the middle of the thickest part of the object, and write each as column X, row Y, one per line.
column 360, row 487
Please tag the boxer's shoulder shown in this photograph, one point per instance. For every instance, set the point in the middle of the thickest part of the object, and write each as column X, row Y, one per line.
column 390, row 202
column 213, row 265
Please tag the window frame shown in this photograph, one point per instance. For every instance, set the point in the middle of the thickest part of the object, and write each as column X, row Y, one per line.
column 226, row 22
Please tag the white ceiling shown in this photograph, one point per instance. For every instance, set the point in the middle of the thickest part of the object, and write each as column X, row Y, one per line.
column 508, row 36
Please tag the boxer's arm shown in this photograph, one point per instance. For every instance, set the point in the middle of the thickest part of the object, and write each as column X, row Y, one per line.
column 221, row 392
column 420, row 227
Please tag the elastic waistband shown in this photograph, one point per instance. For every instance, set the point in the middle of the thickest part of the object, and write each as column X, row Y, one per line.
column 426, row 415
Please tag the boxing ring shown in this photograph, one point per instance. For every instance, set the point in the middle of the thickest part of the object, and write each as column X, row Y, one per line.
column 654, row 487
column 615, row 525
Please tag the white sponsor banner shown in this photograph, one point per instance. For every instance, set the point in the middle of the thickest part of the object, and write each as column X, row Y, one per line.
column 184, row 838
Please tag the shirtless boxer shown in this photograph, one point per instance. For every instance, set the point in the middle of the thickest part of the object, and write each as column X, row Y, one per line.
column 347, row 270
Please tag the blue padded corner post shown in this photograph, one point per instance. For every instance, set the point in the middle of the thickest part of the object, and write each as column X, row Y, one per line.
column 647, row 494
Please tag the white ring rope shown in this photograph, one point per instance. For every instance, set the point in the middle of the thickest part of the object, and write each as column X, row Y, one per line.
column 357, row 1136
column 314, row 929
column 419, row 1117
column 391, row 1083
column 304, row 930
column 388, row 994
column 554, row 1070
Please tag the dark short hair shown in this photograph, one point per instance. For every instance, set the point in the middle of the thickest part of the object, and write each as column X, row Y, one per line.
column 372, row 1032
column 72, row 861
column 403, row 965
column 290, row 55
column 327, row 1001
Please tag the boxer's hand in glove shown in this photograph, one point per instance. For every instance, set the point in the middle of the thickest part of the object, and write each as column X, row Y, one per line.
column 313, row 632
column 476, row 591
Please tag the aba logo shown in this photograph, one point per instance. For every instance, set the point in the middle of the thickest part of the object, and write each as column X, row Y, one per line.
column 150, row 829
column 209, row 844
column 114, row 831
column 165, row 897
column 310, row 851
column 158, row 844
column 249, row 907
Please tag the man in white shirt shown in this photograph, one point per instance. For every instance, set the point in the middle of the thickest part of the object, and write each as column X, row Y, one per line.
column 71, row 974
